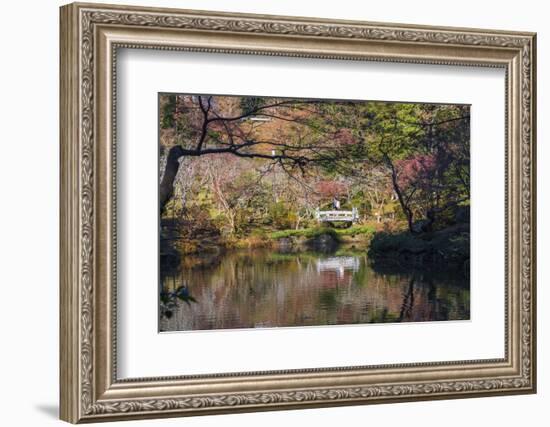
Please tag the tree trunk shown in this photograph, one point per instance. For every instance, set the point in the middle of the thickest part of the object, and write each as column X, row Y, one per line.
column 406, row 209
column 430, row 217
column 166, row 187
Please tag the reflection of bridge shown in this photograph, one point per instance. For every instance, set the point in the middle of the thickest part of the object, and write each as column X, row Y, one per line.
column 335, row 216
column 339, row 264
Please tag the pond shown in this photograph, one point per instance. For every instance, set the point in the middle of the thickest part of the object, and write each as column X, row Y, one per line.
column 263, row 288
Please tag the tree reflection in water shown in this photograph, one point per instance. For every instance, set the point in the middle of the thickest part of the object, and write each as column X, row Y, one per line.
column 263, row 288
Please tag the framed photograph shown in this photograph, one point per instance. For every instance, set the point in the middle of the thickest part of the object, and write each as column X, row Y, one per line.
column 266, row 212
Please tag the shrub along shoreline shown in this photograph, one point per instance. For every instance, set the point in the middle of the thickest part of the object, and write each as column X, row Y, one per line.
column 448, row 248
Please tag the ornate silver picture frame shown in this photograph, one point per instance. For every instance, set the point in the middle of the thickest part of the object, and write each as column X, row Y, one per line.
column 91, row 36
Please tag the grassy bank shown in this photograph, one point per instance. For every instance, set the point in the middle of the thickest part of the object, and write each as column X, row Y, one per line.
column 447, row 248
column 308, row 233
column 268, row 238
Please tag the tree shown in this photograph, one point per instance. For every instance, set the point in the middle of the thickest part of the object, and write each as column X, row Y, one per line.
column 425, row 150
column 206, row 126
column 234, row 187
column 415, row 156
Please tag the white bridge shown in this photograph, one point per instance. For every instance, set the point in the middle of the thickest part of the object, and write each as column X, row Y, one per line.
column 337, row 215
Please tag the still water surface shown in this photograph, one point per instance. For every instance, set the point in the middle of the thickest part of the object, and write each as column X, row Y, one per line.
column 263, row 288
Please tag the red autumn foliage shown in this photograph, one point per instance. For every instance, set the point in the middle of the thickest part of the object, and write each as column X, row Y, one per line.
column 331, row 188
column 418, row 170
column 345, row 136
